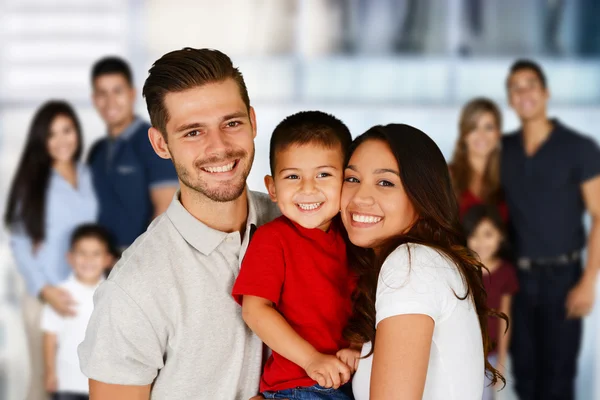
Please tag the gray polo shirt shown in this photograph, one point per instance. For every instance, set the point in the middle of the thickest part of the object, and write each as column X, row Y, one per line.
column 166, row 315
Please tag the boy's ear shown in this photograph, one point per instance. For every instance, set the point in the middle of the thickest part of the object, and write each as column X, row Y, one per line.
column 70, row 257
column 270, row 184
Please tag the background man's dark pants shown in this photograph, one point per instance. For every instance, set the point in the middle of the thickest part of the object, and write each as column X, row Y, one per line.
column 545, row 344
column 69, row 396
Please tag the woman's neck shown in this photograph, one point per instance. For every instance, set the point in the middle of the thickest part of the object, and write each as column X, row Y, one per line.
column 478, row 165
column 67, row 170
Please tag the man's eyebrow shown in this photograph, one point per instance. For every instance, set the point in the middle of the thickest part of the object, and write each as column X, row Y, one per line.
column 239, row 114
column 197, row 125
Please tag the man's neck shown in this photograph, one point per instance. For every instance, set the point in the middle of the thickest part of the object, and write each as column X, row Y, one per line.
column 535, row 132
column 117, row 129
column 224, row 217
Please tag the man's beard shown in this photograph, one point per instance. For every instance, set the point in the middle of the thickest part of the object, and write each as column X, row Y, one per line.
column 224, row 191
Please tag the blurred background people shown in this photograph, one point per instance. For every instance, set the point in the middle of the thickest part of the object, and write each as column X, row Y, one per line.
column 551, row 176
column 475, row 164
column 90, row 254
column 133, row 184
column 486, row 236
column 51, row 194
column 297, row 55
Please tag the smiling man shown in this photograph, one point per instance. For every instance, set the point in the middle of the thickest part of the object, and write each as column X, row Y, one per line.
column 133, row 184
column 165, row 325
column 550, row 176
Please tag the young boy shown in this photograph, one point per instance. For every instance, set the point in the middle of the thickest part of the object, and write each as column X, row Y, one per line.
column 90, row 256
column 294, row 285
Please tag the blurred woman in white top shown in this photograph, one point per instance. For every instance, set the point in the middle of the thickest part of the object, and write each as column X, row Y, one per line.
column 420, row 306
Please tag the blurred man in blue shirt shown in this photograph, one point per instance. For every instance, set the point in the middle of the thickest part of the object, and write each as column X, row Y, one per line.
column 132, row 183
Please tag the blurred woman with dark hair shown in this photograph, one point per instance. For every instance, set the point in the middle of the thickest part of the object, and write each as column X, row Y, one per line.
column 475, row 164
column 420, row 305
column 51, row 194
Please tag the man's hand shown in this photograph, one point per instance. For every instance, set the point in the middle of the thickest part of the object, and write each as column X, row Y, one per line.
column 327, row 370
column 51, row 382
column 60, row 300
column 581, row 298
column 350, row 357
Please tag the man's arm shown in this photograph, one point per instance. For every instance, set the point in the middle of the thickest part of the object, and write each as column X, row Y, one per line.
column 105, row 391
column 161, row 196
column 581, row 298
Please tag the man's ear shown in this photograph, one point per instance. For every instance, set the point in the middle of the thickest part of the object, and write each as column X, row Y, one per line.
column 159, row 143
column 270, row 184
column 253, row 121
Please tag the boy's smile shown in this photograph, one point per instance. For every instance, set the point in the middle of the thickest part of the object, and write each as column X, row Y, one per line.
column 307, row 184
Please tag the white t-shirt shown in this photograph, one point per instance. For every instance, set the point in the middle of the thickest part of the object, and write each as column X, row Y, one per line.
column 70, row 331
column 423, row 284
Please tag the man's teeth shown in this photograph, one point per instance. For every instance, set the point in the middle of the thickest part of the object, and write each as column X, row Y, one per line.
column 224, row 168
column 366, row 219
column 309, row 206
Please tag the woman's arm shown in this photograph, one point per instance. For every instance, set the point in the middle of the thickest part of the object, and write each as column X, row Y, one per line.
column 276, row 333
column 504, row 338
column 401, row 357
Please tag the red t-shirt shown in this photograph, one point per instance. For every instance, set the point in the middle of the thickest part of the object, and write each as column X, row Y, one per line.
column 468, row 200
column 305, row 274
column 502, row 281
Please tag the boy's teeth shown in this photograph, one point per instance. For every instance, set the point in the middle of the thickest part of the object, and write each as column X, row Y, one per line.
column 366, row 219
column 309, row 206
column 224, row 168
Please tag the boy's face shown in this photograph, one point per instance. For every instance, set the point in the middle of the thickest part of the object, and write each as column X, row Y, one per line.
column 307, row 184
column 89, row 258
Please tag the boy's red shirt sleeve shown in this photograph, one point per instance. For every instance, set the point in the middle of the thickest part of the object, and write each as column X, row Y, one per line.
column 263, row 268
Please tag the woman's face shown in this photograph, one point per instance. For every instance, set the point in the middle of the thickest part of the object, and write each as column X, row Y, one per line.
column 63, row 141
column 374, row 205
column 484, row 138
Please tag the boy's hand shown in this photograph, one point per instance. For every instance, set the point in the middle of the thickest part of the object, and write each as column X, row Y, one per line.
column 328, row 371
column 51, row 382
column 350, row 357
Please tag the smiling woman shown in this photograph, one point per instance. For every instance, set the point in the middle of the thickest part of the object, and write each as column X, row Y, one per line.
column 417, row 280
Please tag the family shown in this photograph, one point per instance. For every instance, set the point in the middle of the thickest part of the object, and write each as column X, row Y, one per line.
column 369, row 270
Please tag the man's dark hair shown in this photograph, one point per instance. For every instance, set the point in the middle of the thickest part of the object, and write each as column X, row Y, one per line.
column 305, row 127
column 186, row 69
column 523, row 64
column 112, row 65
column 93, row 231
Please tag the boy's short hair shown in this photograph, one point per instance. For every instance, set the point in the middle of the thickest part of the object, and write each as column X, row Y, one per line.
column 93, row 231
column 531, row 65
column 112, row 65
column 315, row 127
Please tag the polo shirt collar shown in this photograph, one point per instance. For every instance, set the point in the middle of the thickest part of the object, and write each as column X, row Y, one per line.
column 131, row 129
column 201, row 237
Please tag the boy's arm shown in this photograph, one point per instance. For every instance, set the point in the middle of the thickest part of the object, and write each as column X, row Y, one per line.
column 275, row 332
column 504, row 335
column 50, row 361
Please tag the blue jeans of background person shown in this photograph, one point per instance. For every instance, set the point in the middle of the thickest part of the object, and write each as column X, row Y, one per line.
column 315, row 392
column 545, row 344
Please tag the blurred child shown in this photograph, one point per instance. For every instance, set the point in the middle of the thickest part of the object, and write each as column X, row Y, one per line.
column 485, row 233
column 294, row 281
column 89, row 256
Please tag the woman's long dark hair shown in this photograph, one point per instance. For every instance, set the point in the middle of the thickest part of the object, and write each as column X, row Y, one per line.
column 426, row 181
column 27, row 197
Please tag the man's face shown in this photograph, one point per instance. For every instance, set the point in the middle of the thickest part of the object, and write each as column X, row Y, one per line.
column 114, row 98
column 210, row 138
column 527, row 95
